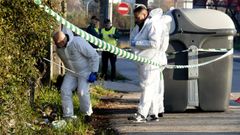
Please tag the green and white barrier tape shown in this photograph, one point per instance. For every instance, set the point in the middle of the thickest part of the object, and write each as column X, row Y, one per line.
column 126, row 49
column 101, row 44
column 221, row 50
column 200, row 64
column 61, row 66
column 107, row 47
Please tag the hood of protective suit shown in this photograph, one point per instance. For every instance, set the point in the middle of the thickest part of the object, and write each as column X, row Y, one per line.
column 155, row 14
column 78, row 55
column 69, row 33
column 153, row 39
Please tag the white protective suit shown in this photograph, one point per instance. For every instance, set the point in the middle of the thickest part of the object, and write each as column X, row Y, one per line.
column 80, row 57
column 152, row 42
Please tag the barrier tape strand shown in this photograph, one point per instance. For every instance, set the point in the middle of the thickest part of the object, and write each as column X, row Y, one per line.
column 119, row 52
column 101, row 44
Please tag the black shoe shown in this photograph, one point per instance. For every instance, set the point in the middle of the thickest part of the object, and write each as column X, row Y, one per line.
column 87, row 119
column 152, row 118
column 160, row 114
column 138, row 118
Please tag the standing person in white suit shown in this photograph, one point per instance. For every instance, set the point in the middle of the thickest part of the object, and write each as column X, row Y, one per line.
column 149, row 39
column 83, row 61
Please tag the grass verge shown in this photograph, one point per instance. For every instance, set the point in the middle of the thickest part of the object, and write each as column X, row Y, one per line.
column 48, row 102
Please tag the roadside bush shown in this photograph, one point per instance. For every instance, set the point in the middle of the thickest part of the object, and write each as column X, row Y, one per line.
column 24, row 40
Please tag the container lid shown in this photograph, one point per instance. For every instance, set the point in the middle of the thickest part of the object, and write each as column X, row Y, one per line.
column 209, row 18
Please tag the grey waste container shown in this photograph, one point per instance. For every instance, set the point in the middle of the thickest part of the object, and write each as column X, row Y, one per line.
column 206, row 87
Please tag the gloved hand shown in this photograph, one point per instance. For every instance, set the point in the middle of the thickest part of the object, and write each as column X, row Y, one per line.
column 133, row 43
column 92, row 77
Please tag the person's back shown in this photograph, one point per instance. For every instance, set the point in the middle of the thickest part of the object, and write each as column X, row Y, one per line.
column 75, row 56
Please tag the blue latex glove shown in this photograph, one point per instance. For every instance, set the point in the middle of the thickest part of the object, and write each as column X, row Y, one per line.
column 92, row 77
column 133, row 43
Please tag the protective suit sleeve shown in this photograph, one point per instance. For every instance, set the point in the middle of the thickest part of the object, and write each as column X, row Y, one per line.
column 155, row 38
column 88, row 51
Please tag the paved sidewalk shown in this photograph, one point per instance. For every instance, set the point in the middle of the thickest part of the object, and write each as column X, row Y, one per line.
column 191, row 122
column 128, row 69
column 122, row 86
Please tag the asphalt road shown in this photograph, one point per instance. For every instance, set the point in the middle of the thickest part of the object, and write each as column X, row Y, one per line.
column 191, row 122
column 236, row 72
column 128, row 69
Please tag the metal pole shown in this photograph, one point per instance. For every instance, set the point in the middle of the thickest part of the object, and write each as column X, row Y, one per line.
column 131, row 18
column 103, row 10
column 175, row 3
column 51, row 55
column 88, row 5
column 64, row 10
column 188, row 4
column 110, row 8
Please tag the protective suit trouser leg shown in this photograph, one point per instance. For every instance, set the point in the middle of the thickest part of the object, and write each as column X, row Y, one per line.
column 84, row 96
column 154, row 109
column 161, row 94
column 69, row 84
column 158, row 104
column 149, row 85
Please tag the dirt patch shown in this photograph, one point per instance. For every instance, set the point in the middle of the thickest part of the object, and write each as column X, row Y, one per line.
column 102, row 125
column 112, row 104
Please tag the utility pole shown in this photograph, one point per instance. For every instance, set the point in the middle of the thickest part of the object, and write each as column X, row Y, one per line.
column 56, row 70
column 188, row 4
column 133, row 2
column 103, row 10
column 87, row 7
column 110, row 9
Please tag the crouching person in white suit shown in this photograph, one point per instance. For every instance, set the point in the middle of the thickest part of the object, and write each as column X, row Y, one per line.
column 83, row 61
